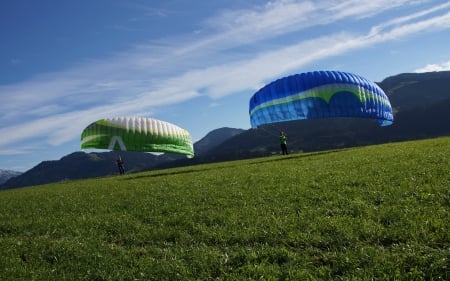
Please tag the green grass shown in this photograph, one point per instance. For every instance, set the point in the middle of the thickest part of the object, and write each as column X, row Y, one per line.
column 372, row 213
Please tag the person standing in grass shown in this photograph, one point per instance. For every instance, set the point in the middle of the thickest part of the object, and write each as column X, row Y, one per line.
column 120, row 163
column 283, row 143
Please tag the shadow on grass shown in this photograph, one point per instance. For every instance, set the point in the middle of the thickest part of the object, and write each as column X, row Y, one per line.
column 296, row 155
column 162, row 174
column 257, row 161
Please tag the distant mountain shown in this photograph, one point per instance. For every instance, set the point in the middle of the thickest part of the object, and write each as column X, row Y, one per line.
column 421, row 103
column 79, row 165
column 409, row 91
column 7, row 174
column 214, row 139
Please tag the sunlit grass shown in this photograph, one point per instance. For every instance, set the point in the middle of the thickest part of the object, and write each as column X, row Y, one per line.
column 372, row 213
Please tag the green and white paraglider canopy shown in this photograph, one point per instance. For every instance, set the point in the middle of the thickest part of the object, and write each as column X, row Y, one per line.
column 137, row 134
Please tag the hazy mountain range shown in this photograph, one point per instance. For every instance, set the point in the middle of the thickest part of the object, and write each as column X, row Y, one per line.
column 421, row 103
column 7, row 174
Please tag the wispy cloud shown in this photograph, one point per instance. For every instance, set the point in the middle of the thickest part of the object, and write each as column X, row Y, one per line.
column 57, row 106
column 405, row 19
column 15, row 61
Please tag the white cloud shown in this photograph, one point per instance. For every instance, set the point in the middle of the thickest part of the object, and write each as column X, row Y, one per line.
column 402, row 20
column 434, row 67
column 214, row 104
column 362, row 9
column 57, row 106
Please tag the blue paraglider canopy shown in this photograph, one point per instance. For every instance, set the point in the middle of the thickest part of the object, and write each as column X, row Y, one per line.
column 320, row 94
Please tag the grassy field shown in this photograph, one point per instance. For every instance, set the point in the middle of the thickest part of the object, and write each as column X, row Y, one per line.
column 372, row 213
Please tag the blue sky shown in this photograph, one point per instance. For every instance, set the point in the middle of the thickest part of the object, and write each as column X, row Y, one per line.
column 65, row 64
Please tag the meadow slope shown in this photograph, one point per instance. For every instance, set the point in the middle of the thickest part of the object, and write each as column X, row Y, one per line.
column 370, row 213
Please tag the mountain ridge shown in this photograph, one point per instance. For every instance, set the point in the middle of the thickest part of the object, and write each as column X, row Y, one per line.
column 420, row 102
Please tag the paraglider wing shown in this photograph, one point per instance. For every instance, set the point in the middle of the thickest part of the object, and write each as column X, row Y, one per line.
column 137, row 134
column 319, row 94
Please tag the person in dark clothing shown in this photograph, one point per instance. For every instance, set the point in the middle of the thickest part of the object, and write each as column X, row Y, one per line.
column 120, row 163
column 283, row 143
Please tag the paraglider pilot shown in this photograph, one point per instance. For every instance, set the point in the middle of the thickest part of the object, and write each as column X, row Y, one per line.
column 120, row 162
column 283, row 143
